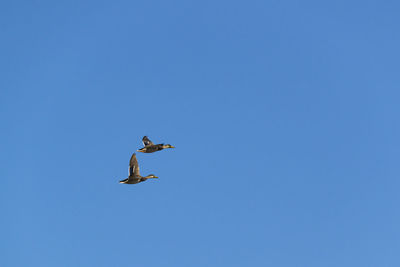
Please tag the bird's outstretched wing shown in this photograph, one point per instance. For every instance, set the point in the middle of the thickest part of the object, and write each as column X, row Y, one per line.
column 133, row 166
column 146, row 141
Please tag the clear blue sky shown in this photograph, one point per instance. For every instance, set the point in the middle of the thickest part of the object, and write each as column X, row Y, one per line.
column 284, row 114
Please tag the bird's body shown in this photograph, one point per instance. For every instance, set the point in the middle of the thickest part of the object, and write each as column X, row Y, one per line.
column 132, row 181
column 150, row 147
column 134, row 175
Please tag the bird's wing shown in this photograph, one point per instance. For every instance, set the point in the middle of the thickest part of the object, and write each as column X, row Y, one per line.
column 146, row 141
column 133, row 166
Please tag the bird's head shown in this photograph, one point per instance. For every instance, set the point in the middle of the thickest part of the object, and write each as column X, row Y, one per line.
column 168, row 146
column 151, row 176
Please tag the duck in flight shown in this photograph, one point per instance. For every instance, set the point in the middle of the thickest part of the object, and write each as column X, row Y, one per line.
column 150, row 147
column 134, row 175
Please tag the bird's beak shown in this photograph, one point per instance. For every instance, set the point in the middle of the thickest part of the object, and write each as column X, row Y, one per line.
column 172, row 147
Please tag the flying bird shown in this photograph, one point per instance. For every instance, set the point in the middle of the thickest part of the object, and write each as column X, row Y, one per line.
column 150, row 147
column 134, row 175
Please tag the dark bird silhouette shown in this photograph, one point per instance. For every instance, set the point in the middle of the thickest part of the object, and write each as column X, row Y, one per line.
column 134, row 175
column 150, row 147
